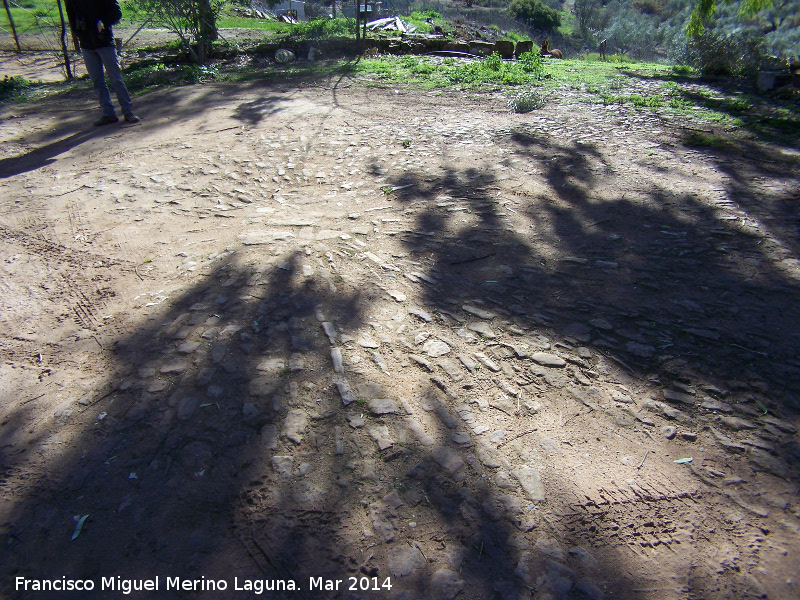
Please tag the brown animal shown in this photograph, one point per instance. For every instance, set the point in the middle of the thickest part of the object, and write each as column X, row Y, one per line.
column 546, row 51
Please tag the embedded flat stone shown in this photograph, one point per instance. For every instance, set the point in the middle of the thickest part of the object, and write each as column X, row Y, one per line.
column 529, row 480
column 381, row 435
column 452, row 369
column 272, row 365
column 383, row 406
column 482, row 328
column 548, row 360
column 447, row 584
column 448, row 459
column 716, row 405
column 282, row 465
column 673, row 396
column 478, row 312
column 486, row 361
column 295, row 425
column 435, row 348
column 344, row 390
column 263, row 386
column 737, row 424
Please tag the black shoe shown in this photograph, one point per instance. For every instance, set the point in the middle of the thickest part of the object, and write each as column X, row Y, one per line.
column 131, row 118
column 107, row 120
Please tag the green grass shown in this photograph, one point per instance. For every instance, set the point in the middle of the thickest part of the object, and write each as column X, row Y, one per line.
column 14, row 89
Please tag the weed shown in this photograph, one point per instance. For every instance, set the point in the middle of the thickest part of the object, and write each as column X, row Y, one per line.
column 527, row 101
column 13, row 88
column 703, row 140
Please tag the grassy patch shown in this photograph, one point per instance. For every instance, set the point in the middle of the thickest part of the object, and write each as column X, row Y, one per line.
column 696, row 139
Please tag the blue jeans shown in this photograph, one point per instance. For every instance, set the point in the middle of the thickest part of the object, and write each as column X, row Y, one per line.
column 106, row 57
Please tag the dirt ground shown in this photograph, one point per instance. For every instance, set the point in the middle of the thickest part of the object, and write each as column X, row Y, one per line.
column 405, row 339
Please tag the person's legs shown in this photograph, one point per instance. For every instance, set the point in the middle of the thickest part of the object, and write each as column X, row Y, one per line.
column 94, row 65
column 108, row 55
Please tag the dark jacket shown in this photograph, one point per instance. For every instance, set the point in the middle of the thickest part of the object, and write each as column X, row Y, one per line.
column 83, row 17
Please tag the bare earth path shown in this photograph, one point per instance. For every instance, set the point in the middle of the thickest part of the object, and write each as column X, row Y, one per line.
column 329, row 330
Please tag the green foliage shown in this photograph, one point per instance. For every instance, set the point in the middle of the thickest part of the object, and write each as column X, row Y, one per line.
column 527, row 101
column 13, row 88
column 324, row 27
column 425, row 15
column 705, row 9
column 715, row 53
column 494, row 70
column 194, row 21
column 535, row 14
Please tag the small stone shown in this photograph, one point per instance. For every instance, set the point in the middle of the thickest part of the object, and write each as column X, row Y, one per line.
column 435, row 348
column 422, row 362
column 497, row 436
column 174, row 366
column 689, row 436
column 478, row 312
column 381, row 435
column 336, row 358
column 716, row 405
column 419, row 432
column 282, row 465
column 367, row 342
column 269, row 437
column 330, row 331
column 272, row 365
column 355, row 421
column 550, row 547
column 726, row 443
column 188, row 347
column 448, row 459
column 249, row 411
column 405, row 560
column 379, row 515
column 295, row 425
column 447, row 584
column 548, row 360
column 461, row 438
column 669, row 432
column 186, row 408
column 397, row 295
column 421, row 314
column 503, row 481
column 486, row 361
column 673, row 396
column 470, row 364
column 482, row 328
column 451, row 368
column 488, row 456
column 344, row 390
column 466, row 335
column 382, row 406
column 640, row 350
column 529, row 480
column 737, row 424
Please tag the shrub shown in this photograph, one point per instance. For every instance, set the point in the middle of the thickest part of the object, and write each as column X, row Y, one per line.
column 527, row 101
column 534, row 13
column 13, row 88
column 714, row 53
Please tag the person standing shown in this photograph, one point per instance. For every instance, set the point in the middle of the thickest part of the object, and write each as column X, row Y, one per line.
column 91, row 22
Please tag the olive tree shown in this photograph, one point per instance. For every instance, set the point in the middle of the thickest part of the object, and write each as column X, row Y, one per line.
column 194, row 21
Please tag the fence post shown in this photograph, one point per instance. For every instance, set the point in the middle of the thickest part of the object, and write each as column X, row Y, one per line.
column 67, row 64
column 11, row 21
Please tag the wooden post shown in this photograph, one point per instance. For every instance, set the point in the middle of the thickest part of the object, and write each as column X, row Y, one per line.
column 358, row 24
column 11, row 21
column 67, row 65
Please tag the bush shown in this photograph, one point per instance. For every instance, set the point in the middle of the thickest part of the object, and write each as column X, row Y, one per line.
column 535, row 14
column 527, row 101
column 714, row 53
column 13, row 88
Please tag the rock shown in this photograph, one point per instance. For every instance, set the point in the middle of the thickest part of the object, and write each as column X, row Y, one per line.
column 673, row 396
column 482, row 328
column 382, row 406
column 488, row 456
column 486, row 361
column 397, row 295
column 174, row 366
column 448, row 459
column 295, row 425
column 780, row 424
column 737, row 424
column 366, row 341
column 249, row 411
column 451, row 368
column 405, row 560
column 618, row 396
column 282, row 465
column 550, row 547
column 478, row 312
column 716, row 405
column 461, row 438
column 669, row 431
column 689, row 436
column 355, row 421
column 590, row 590
column 470, row 364
column 336, row 359
column 529, row 480
column 187, row 407
column 726, row 443
column 188, row 347
column 466, row 335
column 330, row 331
column 503, row 481
column 548, row 360
column 269, row 437
column 422, row 362
column 446, row 584
column 421, row 314
column 435, row 348
column 419, row 432
column 296, row 363
column 379, row 514
column 272, row 365
column 640, row 350
column 381, row 435
column 770, row 464
column 344, row 390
